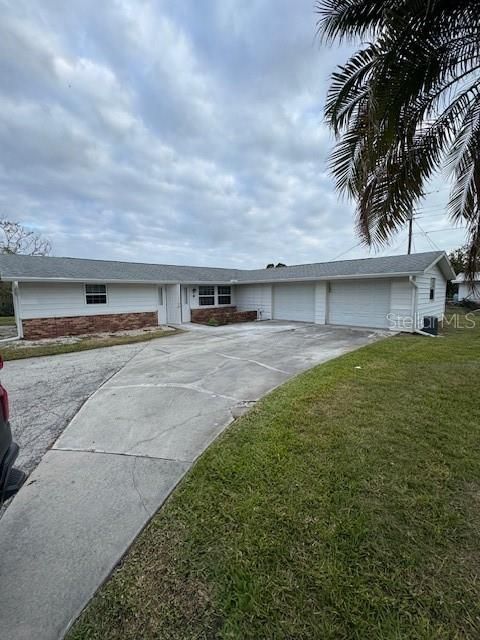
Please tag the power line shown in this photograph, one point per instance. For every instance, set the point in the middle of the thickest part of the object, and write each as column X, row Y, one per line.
column 432, row 244
column 411, row 240
column 444, row 229
column 432, row 215
column 347, row 251
column 430, row 205
column 432, row 210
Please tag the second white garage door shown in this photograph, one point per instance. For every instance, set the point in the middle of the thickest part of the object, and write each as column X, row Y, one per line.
column 294, row 302
column 359, row 303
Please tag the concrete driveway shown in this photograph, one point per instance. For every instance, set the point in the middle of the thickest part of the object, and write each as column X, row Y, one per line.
column 124, row 452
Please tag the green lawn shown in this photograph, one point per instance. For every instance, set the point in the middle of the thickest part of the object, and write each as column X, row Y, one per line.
column 7, row 320
column 18, row 351
column 345, row 505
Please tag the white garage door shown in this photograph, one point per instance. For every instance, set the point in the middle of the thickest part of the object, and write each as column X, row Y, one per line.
column 363, row 303
column 294, row 302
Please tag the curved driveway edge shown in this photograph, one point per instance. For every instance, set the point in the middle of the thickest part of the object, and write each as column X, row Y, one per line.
column 125, row 451
column 46, row 392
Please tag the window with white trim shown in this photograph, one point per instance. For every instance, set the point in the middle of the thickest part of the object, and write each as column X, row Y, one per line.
column 224, row 295
column 206, row 296
column 432, row 288
column 96, row 293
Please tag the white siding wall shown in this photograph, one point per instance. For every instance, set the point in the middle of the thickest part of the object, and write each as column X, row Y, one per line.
column 464, row 291
column 320, row 302
column 49, row 300
column 45, row 300
column 255, row 297
column 401, row 304
column 425, row 306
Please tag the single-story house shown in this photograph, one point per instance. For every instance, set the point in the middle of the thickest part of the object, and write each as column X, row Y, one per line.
column 465, row 290
column 71, row 296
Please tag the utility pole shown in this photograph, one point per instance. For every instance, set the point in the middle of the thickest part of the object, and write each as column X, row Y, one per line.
column 410, row 229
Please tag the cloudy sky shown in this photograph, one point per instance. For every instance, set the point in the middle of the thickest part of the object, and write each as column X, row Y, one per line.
column 177, row 132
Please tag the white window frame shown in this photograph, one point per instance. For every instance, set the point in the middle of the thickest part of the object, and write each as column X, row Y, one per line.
column 207, row 295
column 215, row 295
column 433, row 285
column 224, row 295
column 95, row 284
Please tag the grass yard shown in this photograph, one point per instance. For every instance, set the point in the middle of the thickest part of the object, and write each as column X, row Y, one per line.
column 345, row 505
column 18, row 351
column 7, row 321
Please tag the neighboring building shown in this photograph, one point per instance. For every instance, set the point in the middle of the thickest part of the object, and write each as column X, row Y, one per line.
column 71, row 296
column 466, row 290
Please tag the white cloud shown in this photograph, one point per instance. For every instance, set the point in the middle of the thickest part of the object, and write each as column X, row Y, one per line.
column 171, row 132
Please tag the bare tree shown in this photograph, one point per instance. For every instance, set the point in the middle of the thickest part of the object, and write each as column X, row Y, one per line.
column 14, row 238
column 17, row 239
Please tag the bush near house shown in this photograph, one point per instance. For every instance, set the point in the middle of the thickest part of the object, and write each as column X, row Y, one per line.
column 216, row 316
column 6, row 299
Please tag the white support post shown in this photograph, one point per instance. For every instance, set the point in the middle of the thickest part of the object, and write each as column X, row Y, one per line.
column 17, row 309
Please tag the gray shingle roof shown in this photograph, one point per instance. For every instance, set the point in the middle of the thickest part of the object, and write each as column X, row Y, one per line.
column 16, row 267
column 405, row 264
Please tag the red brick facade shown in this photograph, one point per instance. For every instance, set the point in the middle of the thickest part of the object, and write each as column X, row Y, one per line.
column 38, row 328
column 223, row 315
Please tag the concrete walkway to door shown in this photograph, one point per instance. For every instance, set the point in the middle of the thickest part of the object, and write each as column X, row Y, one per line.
column 124, row 452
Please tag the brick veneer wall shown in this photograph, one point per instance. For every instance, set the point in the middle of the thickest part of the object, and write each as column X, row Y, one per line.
column 224, row 315
column 37, row 328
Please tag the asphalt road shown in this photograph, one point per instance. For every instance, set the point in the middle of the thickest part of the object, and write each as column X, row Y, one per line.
column 45, row 393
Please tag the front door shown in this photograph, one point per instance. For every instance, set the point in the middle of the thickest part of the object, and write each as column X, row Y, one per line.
column 162, row 307
column 174, row 315
column 185, row 293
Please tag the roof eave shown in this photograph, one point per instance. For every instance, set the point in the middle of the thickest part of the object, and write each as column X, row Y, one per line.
column 397, row 274
column 113, row 281
column 447, row 269
column 82, row 280
column 402, row 274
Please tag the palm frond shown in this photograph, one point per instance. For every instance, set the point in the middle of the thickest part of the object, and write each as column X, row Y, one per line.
column 404, row 106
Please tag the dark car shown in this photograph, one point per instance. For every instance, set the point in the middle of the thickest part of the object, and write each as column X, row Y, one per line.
column 11, row 479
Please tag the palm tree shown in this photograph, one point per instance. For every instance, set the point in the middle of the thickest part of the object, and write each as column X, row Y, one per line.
column 405, row 105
